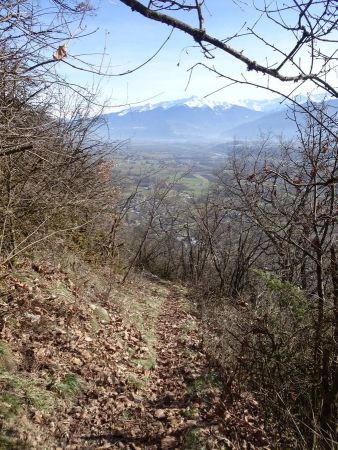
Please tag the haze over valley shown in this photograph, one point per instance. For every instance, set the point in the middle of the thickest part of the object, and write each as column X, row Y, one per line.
column 203, row 120
column 194, row 137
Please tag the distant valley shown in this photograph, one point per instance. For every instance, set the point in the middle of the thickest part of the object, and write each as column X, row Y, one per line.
column 193, row 137
column 193, row 164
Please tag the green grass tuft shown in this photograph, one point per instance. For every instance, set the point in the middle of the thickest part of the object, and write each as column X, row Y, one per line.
column 69, row 387
column 204, row 384
column 9, row 443
column 190, row 413
column 7, row 361
column 10, row 406
column 136, row 383
column 149, row 362
column 192, row 440
column 18, row 392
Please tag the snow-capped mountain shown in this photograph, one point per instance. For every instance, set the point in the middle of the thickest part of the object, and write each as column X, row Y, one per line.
column 278, row 103
column 191, row 118
column 198, row 119
column 264, row 105
column 280, row 122
column 192, row 102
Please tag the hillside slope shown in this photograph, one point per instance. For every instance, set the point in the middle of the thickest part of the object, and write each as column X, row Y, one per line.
column 90, row 364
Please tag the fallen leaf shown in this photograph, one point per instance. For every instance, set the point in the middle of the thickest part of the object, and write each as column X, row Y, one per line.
column 160, row 414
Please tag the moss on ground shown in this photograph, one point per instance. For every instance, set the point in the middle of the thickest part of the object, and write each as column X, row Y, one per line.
column 7, row 360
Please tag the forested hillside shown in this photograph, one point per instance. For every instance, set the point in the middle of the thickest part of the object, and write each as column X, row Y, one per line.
column 148, row 318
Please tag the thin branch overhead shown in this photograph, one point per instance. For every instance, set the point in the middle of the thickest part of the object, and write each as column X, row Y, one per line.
column 310, row 23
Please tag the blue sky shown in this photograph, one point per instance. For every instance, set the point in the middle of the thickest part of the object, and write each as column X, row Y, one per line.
column 129, row 40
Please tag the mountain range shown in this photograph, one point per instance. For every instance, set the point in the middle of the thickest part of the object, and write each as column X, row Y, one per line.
column 196, row 119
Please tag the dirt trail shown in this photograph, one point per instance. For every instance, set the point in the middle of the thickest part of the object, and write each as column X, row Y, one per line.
column 123, row 371
column 181, row 405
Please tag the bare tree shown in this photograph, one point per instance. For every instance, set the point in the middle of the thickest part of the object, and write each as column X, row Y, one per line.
column 53, row 173
column 310, row 58
column 292, row 198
